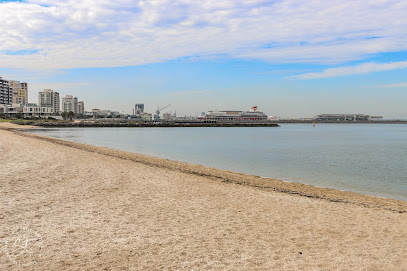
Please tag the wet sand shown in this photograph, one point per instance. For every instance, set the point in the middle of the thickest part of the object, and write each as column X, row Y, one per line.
column 101, row 209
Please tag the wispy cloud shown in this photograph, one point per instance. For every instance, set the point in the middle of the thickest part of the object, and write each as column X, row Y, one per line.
column 398, row 85
column 188, row 92
column 85, row 33
column 284, row 72
column 61, row 86
column 352, row 70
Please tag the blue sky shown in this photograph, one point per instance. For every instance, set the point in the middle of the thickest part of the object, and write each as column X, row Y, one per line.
column 291, row 58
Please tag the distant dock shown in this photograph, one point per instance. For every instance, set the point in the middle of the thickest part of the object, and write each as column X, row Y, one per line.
column 342, row 122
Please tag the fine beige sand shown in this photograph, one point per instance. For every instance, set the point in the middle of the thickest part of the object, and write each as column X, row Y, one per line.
column 91, row 208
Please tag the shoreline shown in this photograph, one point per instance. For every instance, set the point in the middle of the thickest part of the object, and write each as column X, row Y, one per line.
column 100, row 209
column 263, row 183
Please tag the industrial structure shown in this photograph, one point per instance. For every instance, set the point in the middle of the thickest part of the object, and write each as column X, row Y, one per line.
column 158, row 111
column 139, row 109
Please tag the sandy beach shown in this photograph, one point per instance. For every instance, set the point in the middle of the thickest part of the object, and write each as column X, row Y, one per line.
column 92, row 208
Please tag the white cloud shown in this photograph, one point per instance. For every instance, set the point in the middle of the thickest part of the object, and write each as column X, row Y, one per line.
column 351, row 70
column 86, row 33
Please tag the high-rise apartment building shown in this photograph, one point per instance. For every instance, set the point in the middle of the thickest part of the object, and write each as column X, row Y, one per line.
column 139, row 109
column 57, row 103
column 70, row 103
column 6, row 95
column 81, row 108
column 49, row 98
column 20, row 92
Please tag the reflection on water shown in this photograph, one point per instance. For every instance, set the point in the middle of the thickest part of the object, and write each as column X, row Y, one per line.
column 366, row 158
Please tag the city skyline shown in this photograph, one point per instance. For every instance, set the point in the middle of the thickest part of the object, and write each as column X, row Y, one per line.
column 292, row 59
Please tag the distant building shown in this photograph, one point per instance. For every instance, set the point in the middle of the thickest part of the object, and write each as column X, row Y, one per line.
column 3, row 109
column 70, row 103
column 166, row 116
column 103, row 113
column 11, row 110
column 6, row 95
column 33, row 110
column 376, row 118
column 81, row 108
column 345, row 117
column 273, row 118
column 139, row 109
column 106, row 113
column 146, row 117
column 20, row 92
column 95, row 112
column 49, row 98
column 133, row 117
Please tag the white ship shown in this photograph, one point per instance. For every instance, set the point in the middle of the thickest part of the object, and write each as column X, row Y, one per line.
column 238, row 116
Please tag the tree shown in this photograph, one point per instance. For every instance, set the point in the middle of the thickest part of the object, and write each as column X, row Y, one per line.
column 64, row 115
column 71, row 115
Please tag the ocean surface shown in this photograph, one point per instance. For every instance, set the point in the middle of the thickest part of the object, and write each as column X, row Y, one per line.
column 364, row 158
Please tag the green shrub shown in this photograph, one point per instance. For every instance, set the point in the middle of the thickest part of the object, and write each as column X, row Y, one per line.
column 21, row 122
column 18, row 122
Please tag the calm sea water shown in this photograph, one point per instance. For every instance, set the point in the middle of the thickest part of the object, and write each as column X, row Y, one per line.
column 365, row 158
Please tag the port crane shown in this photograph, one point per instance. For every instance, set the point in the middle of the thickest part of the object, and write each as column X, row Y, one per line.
column 158, row 111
